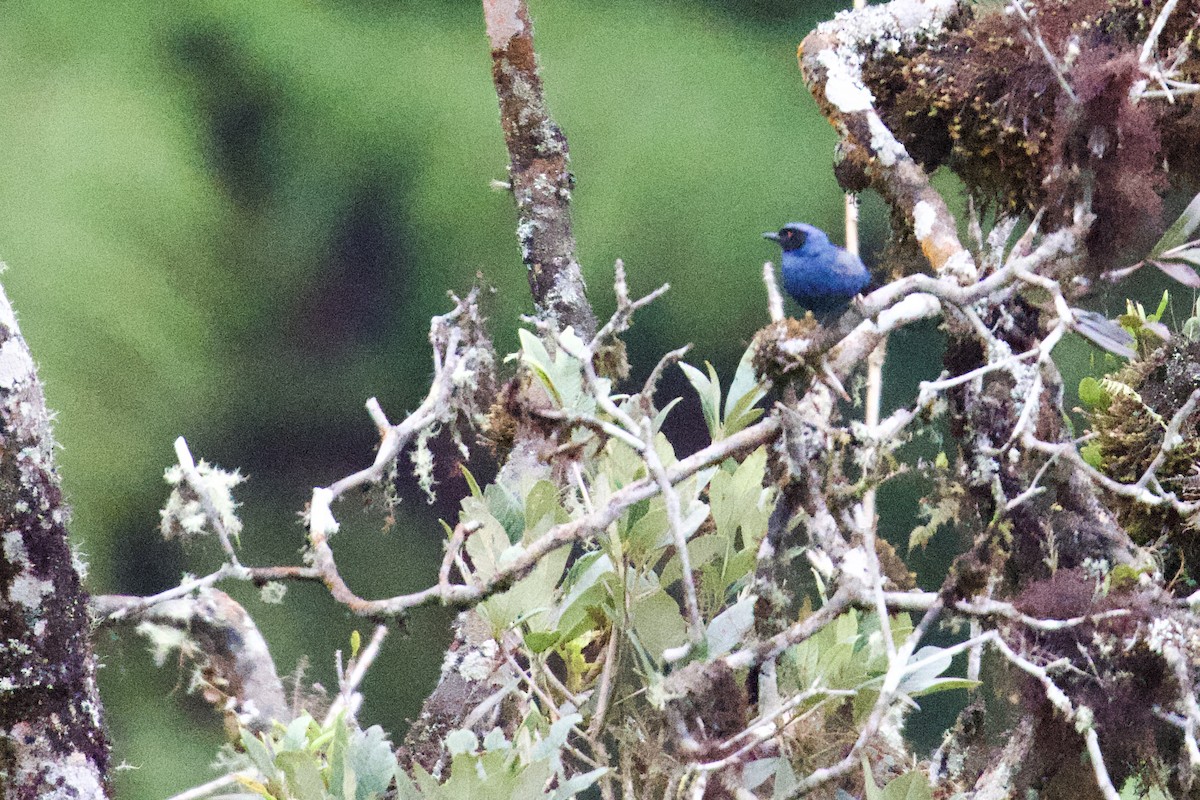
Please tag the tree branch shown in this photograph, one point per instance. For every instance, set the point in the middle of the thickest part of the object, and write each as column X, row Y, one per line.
column 539, row 171
column 52, row 739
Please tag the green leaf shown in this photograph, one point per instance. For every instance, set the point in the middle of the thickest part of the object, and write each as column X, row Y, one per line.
column 555, row 738
column 373, row 761
column 302, row 774
column 1191, row 326
column 541, row 501
column 909, row 786
column 1093, row 395
column 650, row 534
column 472, row 484
column 1166, row 300
column 921, row 679
column 569, row 788
column 541, row 641
column 528, row 783
column 537, row 358
column 650, row 531
column 736, row 499
column 661, row 416
column 461, row 741
column 658, row 623
column 561, row 374
column 508, row 508
column 1180, row 231
column 591, row 586
column 744, row 392
column 530, row 597
column 785, row 780
column 701, row 550
column 495, row 740
column 1092, row 455
column 873, row 790
column 260, row 755
column 405, row 788
column 947, row 685
column 429, row 784
column 342, row 781
column 296, row 735
column 1134, row 790
column 730, row 627
column 709, row 390
column 485, row 546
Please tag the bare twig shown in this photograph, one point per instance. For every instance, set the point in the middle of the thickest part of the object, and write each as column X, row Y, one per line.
column 1160, row 22
column 215, row 785
column 1035, row 36
column 774, row 298
column 349, row 699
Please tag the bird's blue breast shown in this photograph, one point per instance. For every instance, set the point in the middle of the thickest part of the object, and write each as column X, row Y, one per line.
column 823, row 279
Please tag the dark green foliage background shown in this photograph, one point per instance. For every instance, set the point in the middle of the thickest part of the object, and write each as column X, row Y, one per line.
column 232, row 221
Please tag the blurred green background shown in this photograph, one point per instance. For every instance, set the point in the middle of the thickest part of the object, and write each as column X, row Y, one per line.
column 232, row 221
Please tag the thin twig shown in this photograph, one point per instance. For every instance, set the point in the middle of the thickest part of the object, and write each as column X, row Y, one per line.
column 1160, row 22
column 1035, row 36
column 348, row 698
column 216, row 784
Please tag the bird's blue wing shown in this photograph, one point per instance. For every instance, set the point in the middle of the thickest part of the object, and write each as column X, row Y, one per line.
column 851, row 267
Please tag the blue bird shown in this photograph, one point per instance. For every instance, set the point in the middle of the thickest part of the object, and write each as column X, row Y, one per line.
column 821, row 276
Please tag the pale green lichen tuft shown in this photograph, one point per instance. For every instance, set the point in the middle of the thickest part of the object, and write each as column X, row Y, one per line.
column 185, row 516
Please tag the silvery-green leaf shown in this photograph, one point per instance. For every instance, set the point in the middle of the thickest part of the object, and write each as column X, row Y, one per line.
column 569, row 788
column 1180, row 231
column 461, row 741
column 373, row 760
column 730, row 627
column 659, row 623
column 920, row 679
column 1182, row 272
column 709, row 390
column 302, row 775
column 495, row 740
column 555, row 738
column 756, row 773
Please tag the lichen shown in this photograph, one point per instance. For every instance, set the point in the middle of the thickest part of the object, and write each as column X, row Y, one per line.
column 503, row 22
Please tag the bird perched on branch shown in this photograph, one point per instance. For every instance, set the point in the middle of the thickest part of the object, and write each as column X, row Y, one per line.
column 821, row 276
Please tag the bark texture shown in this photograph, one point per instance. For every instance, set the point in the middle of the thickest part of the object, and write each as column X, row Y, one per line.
column 52, row 742
column 539, row 171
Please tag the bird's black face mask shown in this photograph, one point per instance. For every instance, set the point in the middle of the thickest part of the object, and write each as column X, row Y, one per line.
column 788, row 238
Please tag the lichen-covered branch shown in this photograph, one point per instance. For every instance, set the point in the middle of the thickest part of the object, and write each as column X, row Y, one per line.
column 237, row 673
column 52, row 740
column 1041, row 511
column 539, row 171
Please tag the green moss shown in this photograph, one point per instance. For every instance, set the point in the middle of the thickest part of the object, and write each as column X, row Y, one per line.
column 1145, row 396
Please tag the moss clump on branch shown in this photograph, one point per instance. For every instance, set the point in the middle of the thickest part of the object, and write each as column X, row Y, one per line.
column 1121, row 679
column 1026, row 130
column 1130, row 424
column 784, row 349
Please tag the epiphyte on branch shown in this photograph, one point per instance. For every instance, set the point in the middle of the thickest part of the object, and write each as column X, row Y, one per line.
column 821, row 276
